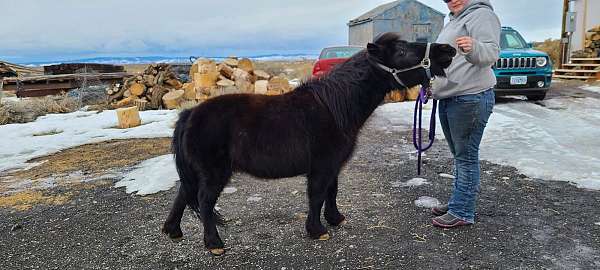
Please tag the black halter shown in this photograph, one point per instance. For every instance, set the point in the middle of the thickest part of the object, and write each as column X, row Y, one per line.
column 425, row 64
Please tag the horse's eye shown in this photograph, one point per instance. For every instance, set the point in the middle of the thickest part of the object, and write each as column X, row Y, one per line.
column 401, row 51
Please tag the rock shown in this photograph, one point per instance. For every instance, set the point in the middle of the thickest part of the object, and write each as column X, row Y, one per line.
column 445, row 175
column 427, row 202
column 229, row 190
column 254, row 198
column 16, row 227
column 415, row 182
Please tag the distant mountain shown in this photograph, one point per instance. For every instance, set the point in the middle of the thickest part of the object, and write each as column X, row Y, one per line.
column 167, row 59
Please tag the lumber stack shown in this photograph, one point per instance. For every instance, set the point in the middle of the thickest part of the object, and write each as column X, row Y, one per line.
column 233, row 75
column 147, row 90
column 591, row 45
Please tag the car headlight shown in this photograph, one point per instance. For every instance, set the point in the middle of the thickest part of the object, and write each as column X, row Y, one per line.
column 541, row 61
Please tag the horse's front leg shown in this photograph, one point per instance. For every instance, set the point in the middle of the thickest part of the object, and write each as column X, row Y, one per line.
column 317, row 192
column 332, row 214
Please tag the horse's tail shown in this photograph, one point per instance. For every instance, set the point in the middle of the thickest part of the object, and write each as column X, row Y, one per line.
column 190, row 182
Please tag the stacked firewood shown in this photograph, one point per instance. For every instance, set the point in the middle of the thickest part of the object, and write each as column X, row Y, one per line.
column 233, row 75
column 157, row 87
column 591, row 46
column 403, row 95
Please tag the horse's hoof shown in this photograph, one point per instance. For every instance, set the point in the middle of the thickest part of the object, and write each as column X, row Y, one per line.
column 344, row 222
column 176, row 239
column 217, row 251
column 324, row 237
column 174, row 236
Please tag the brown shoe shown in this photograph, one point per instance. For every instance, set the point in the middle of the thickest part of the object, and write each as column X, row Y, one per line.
column 448, row 221
column 439, row 210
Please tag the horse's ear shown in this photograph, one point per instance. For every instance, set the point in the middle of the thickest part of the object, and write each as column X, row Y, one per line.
column 373, row 49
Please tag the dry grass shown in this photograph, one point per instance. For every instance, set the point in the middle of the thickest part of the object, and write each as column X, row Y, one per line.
column 136, row 68
column 96, row 158
column 551, row 47
column 29, row 109
column 25, row 200
column 4, row 115
column 301, row 69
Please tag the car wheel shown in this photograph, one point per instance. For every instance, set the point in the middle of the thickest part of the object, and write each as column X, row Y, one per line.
column 536, row 97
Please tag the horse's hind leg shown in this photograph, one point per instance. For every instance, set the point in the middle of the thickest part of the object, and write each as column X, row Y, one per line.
column 317, row 191
column 172, row 226
column 332, row 214
column 212, row 240
column 208, row 199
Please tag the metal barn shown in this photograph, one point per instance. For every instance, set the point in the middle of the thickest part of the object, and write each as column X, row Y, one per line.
column 413, row 19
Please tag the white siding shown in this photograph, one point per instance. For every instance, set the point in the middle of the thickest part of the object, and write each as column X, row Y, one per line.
column 586, row 18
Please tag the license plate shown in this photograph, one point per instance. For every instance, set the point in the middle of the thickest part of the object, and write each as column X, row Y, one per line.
column 518, row 80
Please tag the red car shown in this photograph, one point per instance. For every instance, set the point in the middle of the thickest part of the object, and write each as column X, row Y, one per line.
column 332, row 56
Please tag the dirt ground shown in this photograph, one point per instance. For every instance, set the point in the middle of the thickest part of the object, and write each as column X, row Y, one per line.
column 522, row 223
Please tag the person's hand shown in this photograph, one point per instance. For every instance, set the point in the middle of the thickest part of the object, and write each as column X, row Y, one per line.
column 465, row 44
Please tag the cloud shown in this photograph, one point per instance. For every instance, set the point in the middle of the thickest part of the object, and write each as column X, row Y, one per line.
column 61, row 28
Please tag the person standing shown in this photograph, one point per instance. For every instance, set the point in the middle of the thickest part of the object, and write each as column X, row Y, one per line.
column 466, row 99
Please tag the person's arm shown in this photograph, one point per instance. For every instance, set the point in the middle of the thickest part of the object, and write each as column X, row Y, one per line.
column 484, row 31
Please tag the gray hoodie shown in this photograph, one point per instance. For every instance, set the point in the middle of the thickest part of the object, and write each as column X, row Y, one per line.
column 470, row 73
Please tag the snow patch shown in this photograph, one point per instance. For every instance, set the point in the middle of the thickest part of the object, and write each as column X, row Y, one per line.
column 415, row 182
column 590, row 88
column 427, row 202
column 445, row 175
column 294, row 83
column 18, row 142
column 151, row 176
column 555, row 139
column 597, row 223
column 254, row 198
column 229, row 190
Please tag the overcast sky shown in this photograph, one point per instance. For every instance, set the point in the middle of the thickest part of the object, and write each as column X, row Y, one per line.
column 36, row 30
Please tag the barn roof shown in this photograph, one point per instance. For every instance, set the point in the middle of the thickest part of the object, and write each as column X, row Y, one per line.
column 383, row 8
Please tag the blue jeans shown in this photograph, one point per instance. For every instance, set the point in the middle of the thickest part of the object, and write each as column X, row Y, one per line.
column 463, row 119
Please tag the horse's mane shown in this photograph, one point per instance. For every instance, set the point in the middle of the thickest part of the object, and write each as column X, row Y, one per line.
column 345, row 91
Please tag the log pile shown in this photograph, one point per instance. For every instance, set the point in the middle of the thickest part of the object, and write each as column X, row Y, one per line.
column 591, row 46
column 158, row 87
column 409, row 94
column 155, row 88
column 233, row 75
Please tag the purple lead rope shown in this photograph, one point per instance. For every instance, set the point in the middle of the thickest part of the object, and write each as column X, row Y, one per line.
column 417, row 139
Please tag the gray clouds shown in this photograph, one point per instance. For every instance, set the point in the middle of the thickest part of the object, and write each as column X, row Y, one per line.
column 37, row 29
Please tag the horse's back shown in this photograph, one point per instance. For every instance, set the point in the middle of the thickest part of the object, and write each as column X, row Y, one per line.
column 266, row 136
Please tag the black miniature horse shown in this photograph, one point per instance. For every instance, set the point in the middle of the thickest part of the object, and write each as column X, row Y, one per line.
column 310, row 131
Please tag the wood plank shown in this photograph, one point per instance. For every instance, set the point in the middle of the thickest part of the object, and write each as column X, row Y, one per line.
column 41, row 92
column 573, row 77
column 577, row 70
column 40, row 86
column 101, row 76
column 581, row 65
column 585, row 59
